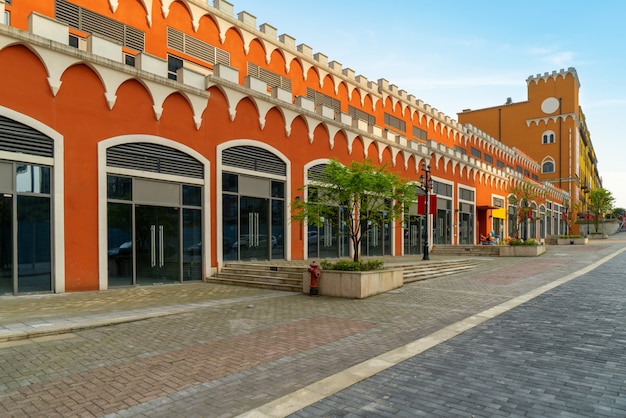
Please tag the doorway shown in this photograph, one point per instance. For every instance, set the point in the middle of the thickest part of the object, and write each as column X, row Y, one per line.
column 149, row 243
column 254, row 242
column 253, row 224
column 413, row 234
column 25, row 229
column 157, row 238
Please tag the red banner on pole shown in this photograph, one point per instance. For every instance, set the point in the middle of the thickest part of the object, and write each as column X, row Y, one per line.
column 432, row 204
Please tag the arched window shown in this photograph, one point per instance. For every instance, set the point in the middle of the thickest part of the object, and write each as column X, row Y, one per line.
column 547, row 137
column 548, row 167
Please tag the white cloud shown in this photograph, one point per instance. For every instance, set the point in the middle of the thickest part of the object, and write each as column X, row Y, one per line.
column 561, row 59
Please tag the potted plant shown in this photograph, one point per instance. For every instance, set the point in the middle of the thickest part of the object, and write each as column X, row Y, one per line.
column 571, row 240
column 522, row 248
column 368, row 194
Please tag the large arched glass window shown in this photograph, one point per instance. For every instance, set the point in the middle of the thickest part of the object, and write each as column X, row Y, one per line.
column 547, row 167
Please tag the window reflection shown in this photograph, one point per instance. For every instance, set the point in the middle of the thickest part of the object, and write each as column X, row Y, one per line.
column 32, row 179
column 192, row 195
column 120, row 188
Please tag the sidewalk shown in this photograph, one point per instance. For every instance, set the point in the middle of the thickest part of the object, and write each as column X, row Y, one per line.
column 32, row 316
column 213, row 350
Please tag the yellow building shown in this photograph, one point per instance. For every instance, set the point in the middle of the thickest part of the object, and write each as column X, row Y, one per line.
column 550, row 127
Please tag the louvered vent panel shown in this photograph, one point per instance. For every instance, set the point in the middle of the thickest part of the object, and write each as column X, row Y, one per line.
column 175, row 40
column 316, row 172
column 134, row 39
column 94, row 23
column 254, row 159
column 270, row 78
column 222, row 57
column 199, row 49
column 285, row 83
column 359, row 114
column 68, row 13
column 253, row 70
column 91, row 22
column 196, row 48
column 155, row 159
column 17, row 137
column 323, row 99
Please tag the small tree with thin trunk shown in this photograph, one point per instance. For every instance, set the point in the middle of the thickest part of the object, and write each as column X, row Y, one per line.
column 573, row 209
column 366, row 192
column 522, row 195
column 600, row 203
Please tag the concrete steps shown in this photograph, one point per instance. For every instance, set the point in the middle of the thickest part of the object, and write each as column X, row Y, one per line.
column 467, row 250
column 289, row 277
column 431, row 269
column 264, row 276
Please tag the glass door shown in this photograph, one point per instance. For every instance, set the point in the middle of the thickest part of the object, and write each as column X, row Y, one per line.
column 34, row 246
column 324, row 241
column 465, row 226
column 6, row 244
column 413, row 231
column 157, row 249
column 254, row 242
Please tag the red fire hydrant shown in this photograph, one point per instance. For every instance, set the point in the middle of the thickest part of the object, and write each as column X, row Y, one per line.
column 315, row 272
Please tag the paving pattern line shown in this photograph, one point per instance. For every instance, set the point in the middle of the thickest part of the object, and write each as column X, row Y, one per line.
column 74, row 324
column 324, row 388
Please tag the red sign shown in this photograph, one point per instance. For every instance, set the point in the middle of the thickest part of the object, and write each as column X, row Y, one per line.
column 432, row 204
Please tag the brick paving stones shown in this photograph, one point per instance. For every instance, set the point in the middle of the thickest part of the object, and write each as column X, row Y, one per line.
column 561, row 354
column 206, row 350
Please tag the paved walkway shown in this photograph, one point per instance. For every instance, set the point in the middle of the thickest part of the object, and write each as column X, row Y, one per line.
column 560, row 354
column 204, row 350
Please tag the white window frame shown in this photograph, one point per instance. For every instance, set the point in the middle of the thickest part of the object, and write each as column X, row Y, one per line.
column 548, row 137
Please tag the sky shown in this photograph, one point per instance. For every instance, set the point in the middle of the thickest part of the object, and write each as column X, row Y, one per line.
column 461, row 54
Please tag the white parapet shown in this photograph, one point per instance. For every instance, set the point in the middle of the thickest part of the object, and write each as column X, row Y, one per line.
column 281, row 94
column 151, row 64
column 226, row 73
column 104, row 48
column 190, row 78
column 48, row 28
column 255, row 84
column 305, row 103
column 325, row 111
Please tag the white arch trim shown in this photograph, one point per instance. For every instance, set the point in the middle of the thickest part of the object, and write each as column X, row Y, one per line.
column 219, row 168
column 58, row 180
column 102, row 197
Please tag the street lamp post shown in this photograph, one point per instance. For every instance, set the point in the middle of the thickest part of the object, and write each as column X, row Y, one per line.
column 426, row 184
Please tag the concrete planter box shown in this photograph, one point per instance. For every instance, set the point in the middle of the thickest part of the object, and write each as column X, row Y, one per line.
column 572, row 241
column 598, row 236
column 522, row 250
column 355, row 284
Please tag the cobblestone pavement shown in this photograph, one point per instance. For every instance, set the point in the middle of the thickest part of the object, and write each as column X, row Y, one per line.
column 204, row 350
column 558, row 355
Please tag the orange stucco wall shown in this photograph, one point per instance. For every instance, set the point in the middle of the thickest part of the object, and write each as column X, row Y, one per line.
column 79, row 111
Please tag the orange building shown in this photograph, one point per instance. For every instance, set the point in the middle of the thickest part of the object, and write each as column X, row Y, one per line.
column 550, row 127
column 153, row 141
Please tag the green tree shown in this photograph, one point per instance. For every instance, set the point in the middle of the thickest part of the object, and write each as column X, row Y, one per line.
column 619, row 213
column 366, row 192
column 521, row 196
column 600, row 203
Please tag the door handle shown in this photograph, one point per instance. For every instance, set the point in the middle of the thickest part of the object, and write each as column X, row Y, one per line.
column 152, row 246
column 250, row 229
column 256, row 229
column 161, row 245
